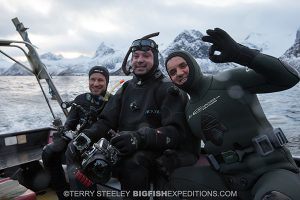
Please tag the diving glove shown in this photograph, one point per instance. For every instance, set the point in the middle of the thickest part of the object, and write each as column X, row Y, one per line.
column 167, row 163
column 230, row 50
column 127, row 142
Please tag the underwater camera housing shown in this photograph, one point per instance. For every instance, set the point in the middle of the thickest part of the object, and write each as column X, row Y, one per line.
column 97, row 160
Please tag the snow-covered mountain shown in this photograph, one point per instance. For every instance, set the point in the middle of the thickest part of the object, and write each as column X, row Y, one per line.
column 104, row 50
column 108, row 57
column 4, row 65
column 256, row 41
column 292, row 55
column 58, row 65
column 294, row 50
column 16, row 70
column 51, row 56
column 188, row 40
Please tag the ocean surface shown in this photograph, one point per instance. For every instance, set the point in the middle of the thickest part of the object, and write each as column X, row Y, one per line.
column 23, row 107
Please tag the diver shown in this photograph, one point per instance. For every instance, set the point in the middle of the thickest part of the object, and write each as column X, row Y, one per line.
column 92, row 104
column 147, row 113
column 246, row 154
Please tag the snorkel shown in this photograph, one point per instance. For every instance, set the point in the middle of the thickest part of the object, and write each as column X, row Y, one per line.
column 140, row 44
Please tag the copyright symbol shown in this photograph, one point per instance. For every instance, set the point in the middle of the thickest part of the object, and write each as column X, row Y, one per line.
column 66, row 193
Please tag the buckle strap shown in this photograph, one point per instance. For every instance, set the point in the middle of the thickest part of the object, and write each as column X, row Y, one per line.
column 262, row 144
column 228, row 157
column 281, row 139
column 265, row 144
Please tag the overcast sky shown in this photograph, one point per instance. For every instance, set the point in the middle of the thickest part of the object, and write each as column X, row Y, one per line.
column 73, row 27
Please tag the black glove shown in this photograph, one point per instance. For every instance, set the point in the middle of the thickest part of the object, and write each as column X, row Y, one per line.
column 167, row 163
column 127, row 142
column 58, row 145
column 230, row 50
column 59, row 133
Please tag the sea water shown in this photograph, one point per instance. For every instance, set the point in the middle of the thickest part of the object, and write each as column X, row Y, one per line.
column 23, row 107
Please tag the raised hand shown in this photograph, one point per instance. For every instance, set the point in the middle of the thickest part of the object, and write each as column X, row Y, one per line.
column 230, row 50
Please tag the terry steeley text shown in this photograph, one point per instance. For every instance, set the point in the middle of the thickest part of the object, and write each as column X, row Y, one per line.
column 122, row 193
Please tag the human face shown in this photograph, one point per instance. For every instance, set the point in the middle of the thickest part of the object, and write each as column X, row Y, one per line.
column 97, row 83
column 142, row 62
column 178, row 70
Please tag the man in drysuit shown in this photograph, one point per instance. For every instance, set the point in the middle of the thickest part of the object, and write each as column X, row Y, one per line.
column 148, row 115
column 91, row 105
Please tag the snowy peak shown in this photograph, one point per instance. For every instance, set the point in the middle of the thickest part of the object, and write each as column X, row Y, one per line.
column 51, row 56
column 189, row 36
column 256, row 41
column 16, row 70
column 103, row 50
column 190, row 41
column 292, row 55
column 107, row 56
column 4, row 65
column 298, row 35
column 294, row 50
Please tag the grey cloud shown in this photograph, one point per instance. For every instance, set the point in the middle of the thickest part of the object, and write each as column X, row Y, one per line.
column 135, row 18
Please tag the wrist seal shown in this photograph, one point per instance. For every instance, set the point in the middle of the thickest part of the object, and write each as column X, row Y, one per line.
column 246, row 55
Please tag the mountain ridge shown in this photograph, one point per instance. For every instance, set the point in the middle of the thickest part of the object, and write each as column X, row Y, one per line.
column 188, row 40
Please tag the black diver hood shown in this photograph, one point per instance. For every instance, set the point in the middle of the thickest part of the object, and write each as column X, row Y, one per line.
column 146, row 45
column 196, row 79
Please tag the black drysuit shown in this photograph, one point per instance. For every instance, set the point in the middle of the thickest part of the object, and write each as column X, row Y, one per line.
column 153, row 108
column 53, row 153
